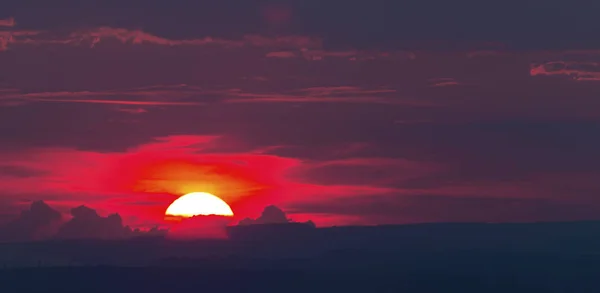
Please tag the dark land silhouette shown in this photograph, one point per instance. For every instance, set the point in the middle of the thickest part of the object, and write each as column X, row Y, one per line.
column 271, row 254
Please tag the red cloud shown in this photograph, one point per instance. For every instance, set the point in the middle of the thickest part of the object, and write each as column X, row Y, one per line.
column 580, row 71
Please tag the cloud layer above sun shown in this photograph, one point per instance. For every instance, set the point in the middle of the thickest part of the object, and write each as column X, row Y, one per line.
column 352, row 124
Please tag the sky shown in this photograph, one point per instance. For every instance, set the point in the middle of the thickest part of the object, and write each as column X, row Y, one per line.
column 353, row 113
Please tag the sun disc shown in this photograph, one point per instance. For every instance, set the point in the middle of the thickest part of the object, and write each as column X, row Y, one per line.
column 198, row 203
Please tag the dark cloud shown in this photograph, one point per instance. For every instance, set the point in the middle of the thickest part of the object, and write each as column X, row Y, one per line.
column 38, row 222
column 270, row 215
column 42, row 222
column 86, row 223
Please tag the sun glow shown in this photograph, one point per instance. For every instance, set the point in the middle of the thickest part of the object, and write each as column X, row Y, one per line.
column 198, row 203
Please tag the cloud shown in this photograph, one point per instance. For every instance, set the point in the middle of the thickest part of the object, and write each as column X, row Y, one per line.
column 86, row 223
column 270, row 215
column 291, row 46
column 273, row 98
column 369, row 30
column 8, row 38
column 443, row 82
column 95, row 36
column 579, row 71
column 132, row 110
column 328, row 94
column 352, row 55
column 9, row 22
column 188, row 95
column 344, row 91
column 40, row 221
column 281, row 54
column 126, row 36
column 120, row 102
column 175, row 95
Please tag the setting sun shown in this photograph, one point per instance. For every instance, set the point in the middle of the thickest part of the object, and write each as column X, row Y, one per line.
column 198, row 203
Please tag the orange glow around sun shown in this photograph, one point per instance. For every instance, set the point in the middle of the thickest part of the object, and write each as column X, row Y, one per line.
column 198, row 203
column 246, row 182
column 229, row 180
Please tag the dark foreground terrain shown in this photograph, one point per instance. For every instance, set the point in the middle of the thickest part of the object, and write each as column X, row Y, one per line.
column 465, row 258
column 442, row 272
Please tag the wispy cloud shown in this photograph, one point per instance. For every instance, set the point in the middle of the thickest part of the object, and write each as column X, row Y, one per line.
column 580, row 71
column 443, row 82
column 281, row 54
column 8, row 38
column 132, row 110
column 10, row 22
column 352, row 55
column 146, row 96
column 296, row 99
column 293, row 46
column 92, row 37
column 186, row 95
column 343, row 90
column 332, row 94
column 121, row 102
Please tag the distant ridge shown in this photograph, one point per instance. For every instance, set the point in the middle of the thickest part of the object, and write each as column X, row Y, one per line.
column 255, row 232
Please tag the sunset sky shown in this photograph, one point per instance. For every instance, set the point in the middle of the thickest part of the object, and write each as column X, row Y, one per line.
column 355, row 112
